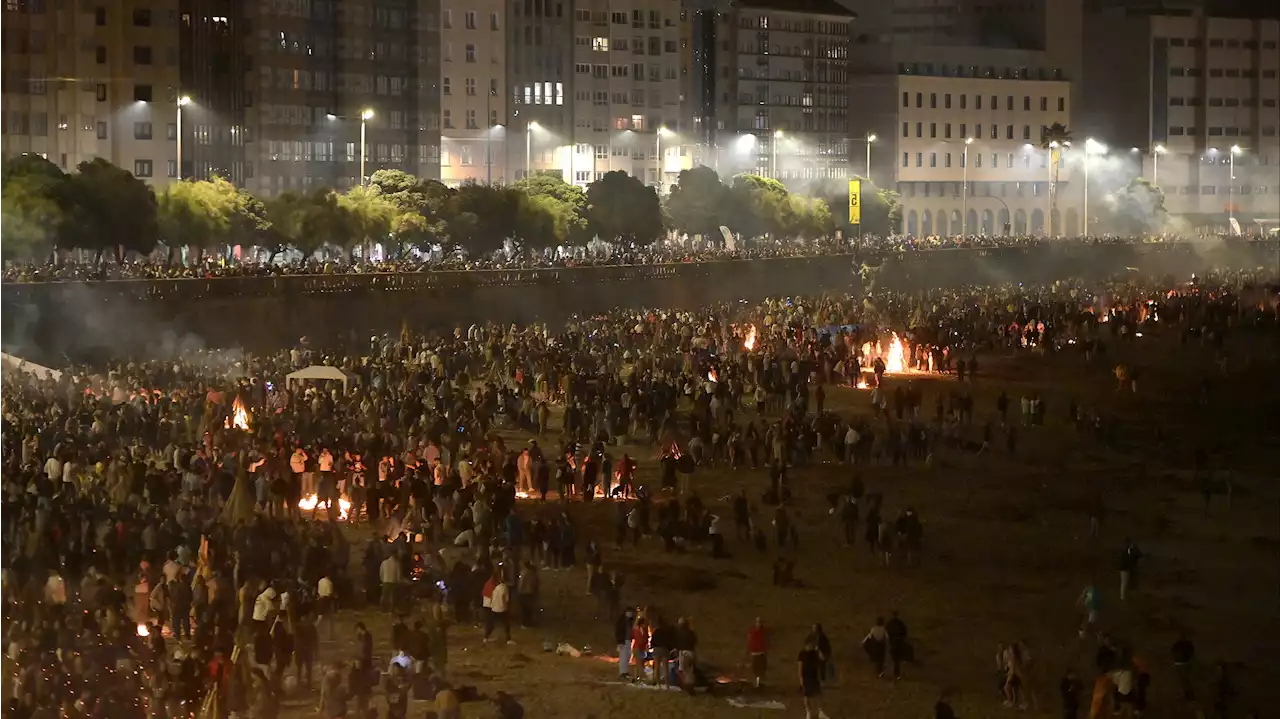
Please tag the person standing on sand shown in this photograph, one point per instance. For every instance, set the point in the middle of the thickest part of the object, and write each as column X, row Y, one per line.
column 1070, row 688
column 758, row 648
column 810, row 667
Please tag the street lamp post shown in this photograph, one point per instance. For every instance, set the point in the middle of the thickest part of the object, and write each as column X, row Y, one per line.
column 184, row 100
column 773, row 148
column 964, row 187
column 488, row 139
column 871, row 137
column 657, row 141
column 1231, row 189
column 1090, row 146
column 528, row 147
column 1156, row 152
column 365, row 116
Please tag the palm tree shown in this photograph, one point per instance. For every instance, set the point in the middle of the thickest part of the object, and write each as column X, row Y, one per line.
column 1054, row 138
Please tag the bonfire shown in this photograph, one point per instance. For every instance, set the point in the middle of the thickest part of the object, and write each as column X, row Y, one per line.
column 239, row 416
column 310, row 502
column 749, row 344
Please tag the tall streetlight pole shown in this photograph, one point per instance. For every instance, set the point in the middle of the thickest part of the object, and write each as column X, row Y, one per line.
column 184, row 100
column 488, row 140
column 657, row 141
column 964, row 187
column 871, row 137
column 1156, row 152
column 528, row 147
column 1231, row 190
column 773, row 148
column 1090, row 146
column 365, row 116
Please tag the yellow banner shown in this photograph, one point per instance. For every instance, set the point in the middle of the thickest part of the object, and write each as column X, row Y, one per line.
column 855, row 202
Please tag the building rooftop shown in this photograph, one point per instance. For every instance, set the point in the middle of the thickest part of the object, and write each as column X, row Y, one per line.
column 803, row 7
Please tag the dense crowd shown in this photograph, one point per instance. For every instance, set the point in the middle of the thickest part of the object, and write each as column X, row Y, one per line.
column 173, row 535
column 67, row 270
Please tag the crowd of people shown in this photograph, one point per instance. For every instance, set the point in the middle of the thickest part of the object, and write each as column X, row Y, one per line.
column 176, row 533
column 67, row 269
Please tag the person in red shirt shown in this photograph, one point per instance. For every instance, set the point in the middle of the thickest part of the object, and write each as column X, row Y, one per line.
column 758, row 648
column 640, row 646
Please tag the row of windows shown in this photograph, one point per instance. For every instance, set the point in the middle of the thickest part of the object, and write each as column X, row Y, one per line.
column 825, row 52
column 994, row 104
column 286, row 78
column 1221, row 72
column 1178, row 131
column 1225, row 190
column 986, row 72
column 656, row 73
column 976, row 189
column 469, row 86
column 638, row 97
column 347, row 48
column 964, row 131
column 783, row 24
column 469, row 53
column 471, row 119
column 1217, row 42
column 653, row 45
column 807, row 99
column 637, row 18
column 1022, row 160
column 1221, row 102
column 470, row 20
column 538, row 93
column 311, row 115
column 328, row 151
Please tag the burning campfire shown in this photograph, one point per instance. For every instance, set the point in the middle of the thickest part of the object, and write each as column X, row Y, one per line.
column 749, row 344
column 239, row 417
column 310, row 502
column 143, row 630
column 894, row 354
column 713, row 376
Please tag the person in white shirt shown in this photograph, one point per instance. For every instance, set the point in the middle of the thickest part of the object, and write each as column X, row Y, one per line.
column 264, row 607
column 325, row 603
column 53, row 469
column 389, row 575
column 498, row 615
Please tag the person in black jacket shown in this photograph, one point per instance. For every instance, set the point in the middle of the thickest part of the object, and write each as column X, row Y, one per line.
column 622, row 637
column 663, row 641
column 898, row 645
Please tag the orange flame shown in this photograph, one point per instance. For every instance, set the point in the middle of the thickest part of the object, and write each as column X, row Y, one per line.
column 750, row 343
column 712, row 375
column 311, row 501
column 894, row 355
column 143, row 630
column 239, row 417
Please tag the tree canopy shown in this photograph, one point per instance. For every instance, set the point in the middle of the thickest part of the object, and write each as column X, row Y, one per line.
column 105, row 208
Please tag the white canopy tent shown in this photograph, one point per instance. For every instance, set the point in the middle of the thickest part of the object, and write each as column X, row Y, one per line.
column 319, row 372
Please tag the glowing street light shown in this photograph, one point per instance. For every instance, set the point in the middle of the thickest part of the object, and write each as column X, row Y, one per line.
column 871, row 137
column 1156, row 152
column 365, row 116
column 182, row 101
column 657, row 139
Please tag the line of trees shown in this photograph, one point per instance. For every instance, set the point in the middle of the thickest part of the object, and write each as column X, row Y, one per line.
column 104, row 209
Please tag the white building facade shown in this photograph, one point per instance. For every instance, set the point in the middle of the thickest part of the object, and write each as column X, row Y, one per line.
column 474, row 117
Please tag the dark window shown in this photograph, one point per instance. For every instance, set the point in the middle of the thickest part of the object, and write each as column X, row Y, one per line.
column 100, row 55
column 142, row 54
column 142, row 93
column 100, row 16
column 102, row 130
column 101, row 89
column 142, row 17
column 142, row 168
column 142, row 131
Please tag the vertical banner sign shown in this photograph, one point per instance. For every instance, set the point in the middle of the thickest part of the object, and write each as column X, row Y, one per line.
column 855, row 202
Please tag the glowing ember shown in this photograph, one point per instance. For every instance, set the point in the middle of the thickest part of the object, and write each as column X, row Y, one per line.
column 239, row 417
column 143, row 631
column 310, row 502
column 750, row 343
column 713, row 376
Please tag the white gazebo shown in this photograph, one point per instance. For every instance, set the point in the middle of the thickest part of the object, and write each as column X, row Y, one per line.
column 319, row 372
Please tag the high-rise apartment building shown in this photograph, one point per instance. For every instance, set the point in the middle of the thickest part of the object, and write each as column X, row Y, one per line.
column 539, row 74
column 626, row 90
column 83, row 80
column 1195, row 102
column 473, row 94
column 765, row 87
column 951, row 112
column 337, row 90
